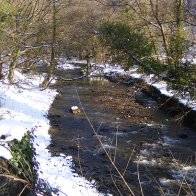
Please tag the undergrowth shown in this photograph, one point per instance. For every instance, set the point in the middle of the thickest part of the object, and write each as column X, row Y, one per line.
column 22, row 163
column 24, row 166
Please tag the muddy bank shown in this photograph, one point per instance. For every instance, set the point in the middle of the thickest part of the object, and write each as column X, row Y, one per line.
column 127, row 105
column 180, row 113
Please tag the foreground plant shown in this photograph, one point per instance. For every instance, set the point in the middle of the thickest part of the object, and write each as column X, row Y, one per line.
column 19, row 173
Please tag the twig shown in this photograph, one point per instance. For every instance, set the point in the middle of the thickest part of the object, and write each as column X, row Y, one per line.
column 78, row 146
column 14, row 178
column 116, row 145
column 113, row 164
column 47, row 85
column 138, row 177
column 160, row 188
column 115, row 184
column 128, row 161
column 23, row 189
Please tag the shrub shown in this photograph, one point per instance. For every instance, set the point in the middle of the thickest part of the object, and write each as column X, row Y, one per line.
column 127, row 46
column 22, row 164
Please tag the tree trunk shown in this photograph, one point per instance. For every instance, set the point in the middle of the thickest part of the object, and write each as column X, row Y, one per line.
column 13, row 64
column 53, row 48
column 179, row 47
column 88, row 66
column 1, row 68
column 155, row 12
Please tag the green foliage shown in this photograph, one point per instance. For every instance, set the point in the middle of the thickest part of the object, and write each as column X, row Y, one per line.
column 151, row 65
column 125, row 43
column 184, row 79
column 24, row 167
column 177, row 47
column 22, row 161
column 5, row 19
column 6, row 10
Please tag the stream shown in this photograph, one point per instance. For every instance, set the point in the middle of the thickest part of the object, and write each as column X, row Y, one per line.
column 153, row 149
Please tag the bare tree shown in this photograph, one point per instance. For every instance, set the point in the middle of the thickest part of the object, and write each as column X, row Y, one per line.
column 19, row 32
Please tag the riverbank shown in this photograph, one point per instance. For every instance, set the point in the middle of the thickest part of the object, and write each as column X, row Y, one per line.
column 180, row 113
column 181, row 107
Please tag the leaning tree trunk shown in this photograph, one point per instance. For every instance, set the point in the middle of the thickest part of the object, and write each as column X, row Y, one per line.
column 1, row 68
column 13, row 64
column 180, row 33
column 88, row 66
column 53, row 48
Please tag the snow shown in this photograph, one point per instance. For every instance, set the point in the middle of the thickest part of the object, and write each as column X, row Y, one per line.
column 76, row 61
column 71, row 61
column 74, row 108
column 166, row 182
column 5, row 152
column 163, row 87
column 168, row 141
column 143, row 161
column 24, row 108
column 66, row 66
column 107, row 69
column 107, row 146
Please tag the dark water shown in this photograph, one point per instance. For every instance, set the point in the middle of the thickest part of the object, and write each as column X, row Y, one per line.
column 162, row 153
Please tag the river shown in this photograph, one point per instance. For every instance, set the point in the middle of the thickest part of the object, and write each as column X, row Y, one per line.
column 153, row 154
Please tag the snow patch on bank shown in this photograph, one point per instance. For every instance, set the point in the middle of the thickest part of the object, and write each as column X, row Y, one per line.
column 24, row 108
column 65, row 66
column 72, row 61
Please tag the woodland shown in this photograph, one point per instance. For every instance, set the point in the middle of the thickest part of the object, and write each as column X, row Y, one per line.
column 159, row 36
column 156, row 36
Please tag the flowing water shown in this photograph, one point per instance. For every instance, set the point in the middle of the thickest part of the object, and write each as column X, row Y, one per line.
column 160, row 154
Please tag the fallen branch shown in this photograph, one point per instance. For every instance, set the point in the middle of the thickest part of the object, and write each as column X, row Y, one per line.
column 14, row 178
column 64, row 79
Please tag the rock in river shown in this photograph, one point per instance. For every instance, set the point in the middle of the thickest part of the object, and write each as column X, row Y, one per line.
column 75, row 110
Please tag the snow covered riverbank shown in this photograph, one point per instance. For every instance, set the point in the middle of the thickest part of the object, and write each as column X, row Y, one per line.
column 24, row 108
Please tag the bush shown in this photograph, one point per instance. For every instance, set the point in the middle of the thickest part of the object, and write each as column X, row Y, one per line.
column 22, row 164
column 151, row 65
column 125, row 45
column 184, row 79
column 24, row 168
